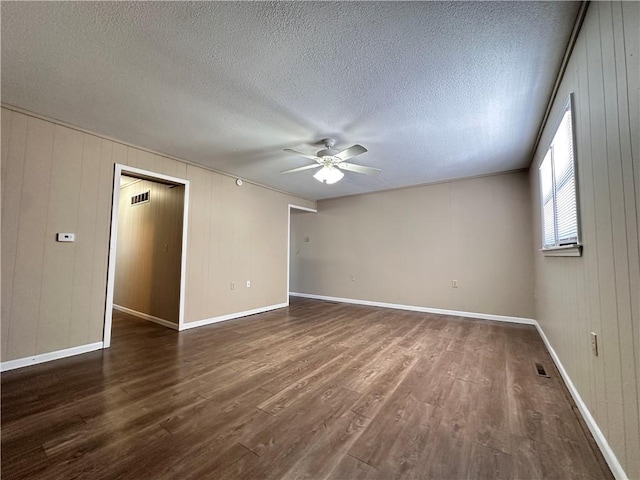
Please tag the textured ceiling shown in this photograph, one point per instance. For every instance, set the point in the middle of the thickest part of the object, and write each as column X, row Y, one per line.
column 434, row 90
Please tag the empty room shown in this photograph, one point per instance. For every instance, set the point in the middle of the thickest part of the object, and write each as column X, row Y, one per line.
column 321, row 240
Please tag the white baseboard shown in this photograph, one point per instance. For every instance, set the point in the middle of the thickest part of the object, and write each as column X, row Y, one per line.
column 146, row 316
column 605, row 448
column 47, row 357
column 413, row 308
column 231, row 316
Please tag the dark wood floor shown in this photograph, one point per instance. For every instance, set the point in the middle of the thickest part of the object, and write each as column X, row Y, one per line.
column 317, row 390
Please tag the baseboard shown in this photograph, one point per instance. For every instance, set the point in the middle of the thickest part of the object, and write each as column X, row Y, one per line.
column 146, row 316
column 47, row 357
column 414, row 308
column 231, row 316
column 605, row 448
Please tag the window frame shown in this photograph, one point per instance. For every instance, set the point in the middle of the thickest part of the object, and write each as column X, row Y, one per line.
column 565, row 250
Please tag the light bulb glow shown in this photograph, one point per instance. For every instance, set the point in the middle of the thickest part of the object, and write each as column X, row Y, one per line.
column 328, row 175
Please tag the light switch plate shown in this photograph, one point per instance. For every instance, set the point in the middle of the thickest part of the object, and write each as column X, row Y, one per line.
column 66, row 237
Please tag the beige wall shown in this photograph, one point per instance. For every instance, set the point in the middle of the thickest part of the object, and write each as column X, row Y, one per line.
column 600, row 291
column 59, row 179
column 149, row 250
column 242, row 234
column 406, row 246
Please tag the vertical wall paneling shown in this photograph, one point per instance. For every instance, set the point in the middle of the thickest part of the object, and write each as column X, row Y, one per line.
column 5, row 127
column 86, row 230
column 600, row 291
column 627, row 34
column 59, row 179
column 103, row 227
column 5, row 124
column 32, row 236
column 14, row 135
column 214, row 207
column 59, row 258
column 620, row 225
column 602, row 145
column 588, row 227
column 196, row 242
column 630, row 35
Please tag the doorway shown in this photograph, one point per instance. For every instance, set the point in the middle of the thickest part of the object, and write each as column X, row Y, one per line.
column 293, row 249
column 147, row 254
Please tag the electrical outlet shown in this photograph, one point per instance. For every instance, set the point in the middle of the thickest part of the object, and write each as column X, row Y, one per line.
column 352, row 278
column 233, row 285
column 248, row 283
column 454, row 283
column 594, row 343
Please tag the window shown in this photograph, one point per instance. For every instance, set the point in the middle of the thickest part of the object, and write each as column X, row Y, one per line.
column 560, row 229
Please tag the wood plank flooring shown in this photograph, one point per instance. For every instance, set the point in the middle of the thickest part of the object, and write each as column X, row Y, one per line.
column 314, row 391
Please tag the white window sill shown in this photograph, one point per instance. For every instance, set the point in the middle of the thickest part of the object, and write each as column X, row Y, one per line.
column 574, row 250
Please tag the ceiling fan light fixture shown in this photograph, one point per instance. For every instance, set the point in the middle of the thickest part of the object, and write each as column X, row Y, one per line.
column 328, row 175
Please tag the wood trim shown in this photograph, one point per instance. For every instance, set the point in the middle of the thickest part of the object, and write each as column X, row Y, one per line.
column 605, row 448
column 49, row 356
column 146, row 316
column 414, row 308
column 231, row 316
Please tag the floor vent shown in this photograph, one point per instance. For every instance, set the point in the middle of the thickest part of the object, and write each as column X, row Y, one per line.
column 140, row 198
column 540, row 370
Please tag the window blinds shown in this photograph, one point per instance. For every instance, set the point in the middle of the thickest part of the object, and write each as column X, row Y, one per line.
column 558, row 188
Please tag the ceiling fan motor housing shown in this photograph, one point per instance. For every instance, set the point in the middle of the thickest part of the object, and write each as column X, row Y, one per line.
column 324, row 153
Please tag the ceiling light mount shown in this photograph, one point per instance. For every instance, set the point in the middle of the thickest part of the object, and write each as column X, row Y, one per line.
column 328, row 142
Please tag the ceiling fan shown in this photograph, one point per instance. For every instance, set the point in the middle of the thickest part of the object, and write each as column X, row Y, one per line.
column 332, row 163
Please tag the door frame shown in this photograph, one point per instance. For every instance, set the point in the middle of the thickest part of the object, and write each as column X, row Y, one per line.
column 292, row 207
column 119, row 170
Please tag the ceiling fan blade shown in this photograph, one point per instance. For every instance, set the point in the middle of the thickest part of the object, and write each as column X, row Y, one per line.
column 359, row 168
column 350, row 152
column 306, row 155
column 299, row 169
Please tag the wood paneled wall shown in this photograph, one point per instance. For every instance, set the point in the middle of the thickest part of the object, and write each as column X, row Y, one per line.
column 406, row 246
column 60, row 179
column 149, row 251
column 242, row 233
column 600, row 291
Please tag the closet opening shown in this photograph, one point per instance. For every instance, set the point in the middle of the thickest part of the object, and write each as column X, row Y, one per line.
column 147, row 249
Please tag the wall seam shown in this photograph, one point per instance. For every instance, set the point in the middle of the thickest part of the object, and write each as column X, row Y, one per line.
column 611, row 232
column 75, row 252
column 53, row 141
